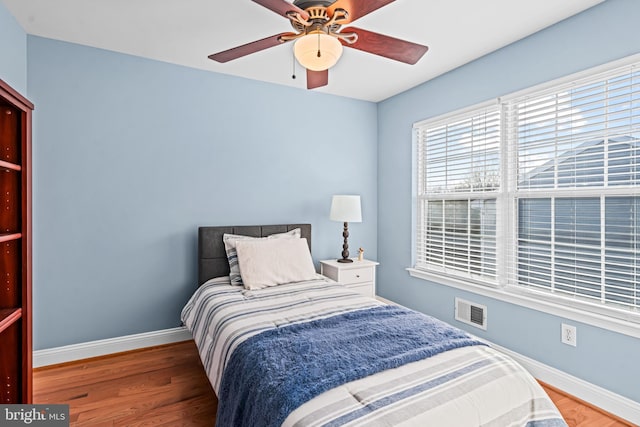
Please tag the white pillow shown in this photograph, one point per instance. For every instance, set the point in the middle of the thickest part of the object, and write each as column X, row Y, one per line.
column 271, row 262
column 230, row 248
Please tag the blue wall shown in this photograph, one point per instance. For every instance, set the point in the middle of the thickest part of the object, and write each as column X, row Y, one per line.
column 596, row 36
column 132, row 155
column 13, row 52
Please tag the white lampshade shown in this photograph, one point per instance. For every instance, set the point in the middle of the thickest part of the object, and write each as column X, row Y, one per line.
column 306, row 51
column 345, row 209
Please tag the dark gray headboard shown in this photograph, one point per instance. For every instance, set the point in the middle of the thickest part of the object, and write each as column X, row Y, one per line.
column 212, row 258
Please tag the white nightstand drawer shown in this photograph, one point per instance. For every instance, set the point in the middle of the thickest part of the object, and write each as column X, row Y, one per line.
column 359, row 276
column 356, row 275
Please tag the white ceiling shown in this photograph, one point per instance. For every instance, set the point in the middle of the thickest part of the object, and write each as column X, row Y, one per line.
column 185, row 32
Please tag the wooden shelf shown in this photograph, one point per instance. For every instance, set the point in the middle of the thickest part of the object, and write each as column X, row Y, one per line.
column 10, row 166
column 6, row 237
column 8, row 316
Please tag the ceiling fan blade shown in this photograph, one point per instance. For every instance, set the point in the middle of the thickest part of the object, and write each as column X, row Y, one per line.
column 317, row 78
column 389, row 47
column 249, row 48
column 281, row 7
column 357, row 8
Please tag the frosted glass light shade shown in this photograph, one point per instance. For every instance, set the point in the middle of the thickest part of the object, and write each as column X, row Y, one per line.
column 346, row 209
column 306, row 49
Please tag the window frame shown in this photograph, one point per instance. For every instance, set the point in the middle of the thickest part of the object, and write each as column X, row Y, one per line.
column 626, row 321
column 490, row 108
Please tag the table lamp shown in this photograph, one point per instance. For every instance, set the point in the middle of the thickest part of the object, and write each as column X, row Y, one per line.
column 345, row 209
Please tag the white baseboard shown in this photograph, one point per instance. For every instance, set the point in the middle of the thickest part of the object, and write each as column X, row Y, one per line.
column 597, row 396
column 69, row 353
column 611, row 402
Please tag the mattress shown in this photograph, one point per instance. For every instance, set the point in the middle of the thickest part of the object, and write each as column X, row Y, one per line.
column 460, row 385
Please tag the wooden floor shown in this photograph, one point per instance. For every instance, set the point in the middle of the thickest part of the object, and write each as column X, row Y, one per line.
column 159, row 386
column 166, row 386
column 578, row 413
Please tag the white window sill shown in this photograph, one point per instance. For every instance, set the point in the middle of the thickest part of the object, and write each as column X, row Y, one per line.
column 626, row 323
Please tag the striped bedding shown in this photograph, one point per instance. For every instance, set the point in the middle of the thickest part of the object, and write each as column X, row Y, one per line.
column 469, row 386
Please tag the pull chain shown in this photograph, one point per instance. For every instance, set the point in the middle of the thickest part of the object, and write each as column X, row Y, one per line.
column 319, row 45
column 293, row 64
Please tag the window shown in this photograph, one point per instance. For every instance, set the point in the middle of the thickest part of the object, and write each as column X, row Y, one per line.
column 553, row 176
column 459, row 169
column 577, row 156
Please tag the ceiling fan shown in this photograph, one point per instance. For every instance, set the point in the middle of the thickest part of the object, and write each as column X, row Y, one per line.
column 319, row 36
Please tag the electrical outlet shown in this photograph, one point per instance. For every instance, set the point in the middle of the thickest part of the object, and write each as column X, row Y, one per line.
column 569, row 335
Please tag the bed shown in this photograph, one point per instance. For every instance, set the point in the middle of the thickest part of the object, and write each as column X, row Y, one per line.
column 296, row 349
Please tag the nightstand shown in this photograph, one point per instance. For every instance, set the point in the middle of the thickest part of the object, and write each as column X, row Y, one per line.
column 357, row 275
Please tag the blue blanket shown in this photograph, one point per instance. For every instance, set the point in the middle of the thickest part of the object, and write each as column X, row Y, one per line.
column 272, row 373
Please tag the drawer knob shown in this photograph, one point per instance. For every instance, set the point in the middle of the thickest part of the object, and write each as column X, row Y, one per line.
column 357, row 275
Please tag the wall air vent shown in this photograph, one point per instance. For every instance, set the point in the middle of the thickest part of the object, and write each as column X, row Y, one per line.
column 471, row 313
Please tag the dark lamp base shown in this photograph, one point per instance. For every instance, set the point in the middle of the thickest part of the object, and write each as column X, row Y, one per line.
column 345, row 260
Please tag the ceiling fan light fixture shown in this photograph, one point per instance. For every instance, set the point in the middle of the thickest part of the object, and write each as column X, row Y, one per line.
column 317, row 51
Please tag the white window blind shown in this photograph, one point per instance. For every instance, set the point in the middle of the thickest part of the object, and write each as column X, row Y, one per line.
column 540, row 193
column 581, row 135
column 458, row 179
column 578, row 169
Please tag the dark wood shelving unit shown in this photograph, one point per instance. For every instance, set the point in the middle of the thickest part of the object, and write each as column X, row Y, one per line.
column 15, row 247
